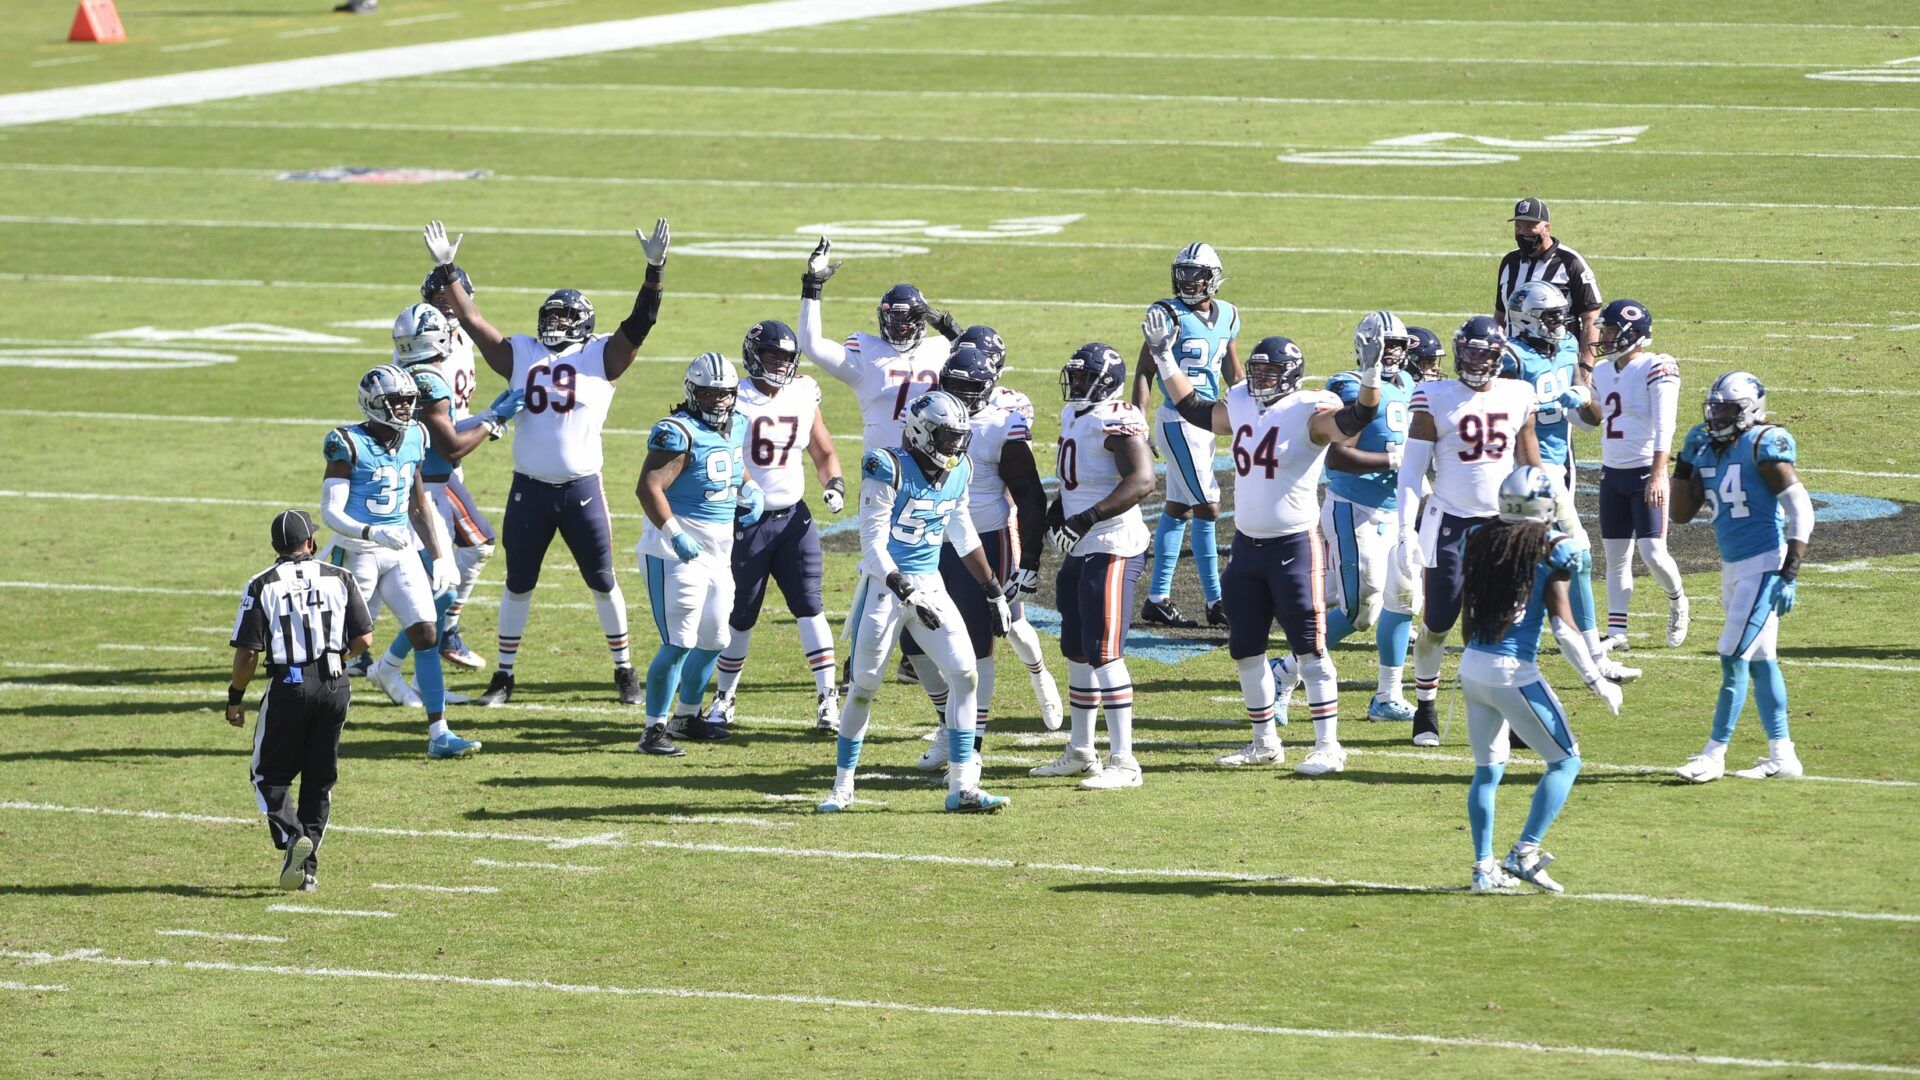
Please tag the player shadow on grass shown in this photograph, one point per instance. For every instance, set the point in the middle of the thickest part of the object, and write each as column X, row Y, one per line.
column 1279, row 886
column 121, row 678
column 89, row 888
column 117, row 709
column 1849, row 652
column 118, row 753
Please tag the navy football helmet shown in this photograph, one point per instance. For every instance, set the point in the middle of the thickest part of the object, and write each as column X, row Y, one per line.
column 903, row 317
column 437, row 280
column 566, row 318
column 1623, row 326
column 1478, row 347
column 1423, row 360
column 1274, row 369
column 987, row 340
column 1094, row 373
column 969, row 375
column 771, row 352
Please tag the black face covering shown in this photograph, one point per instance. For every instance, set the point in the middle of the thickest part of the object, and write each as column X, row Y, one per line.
column 1531, row 243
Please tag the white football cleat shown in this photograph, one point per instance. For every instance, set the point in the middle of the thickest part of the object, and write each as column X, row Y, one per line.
column 1255, row 753
column 1426, row 738
column 721, row 711
column 1679, row 617
column 826, row 715
column 391, row 679
column 1286, row 679
column 1786, row 766
column 1119, row 772
column 1073, row 761
column 1615, row 641
column 1702, row 769
column 1531, row 867
column 1489, row 877
column 836, row 801
column 1323, row 760
column 1051, row 715
column 935, row 758
column 1612, row 669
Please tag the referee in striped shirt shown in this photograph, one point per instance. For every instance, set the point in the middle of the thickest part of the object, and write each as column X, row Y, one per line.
column 303, row 616
column 1539, row 256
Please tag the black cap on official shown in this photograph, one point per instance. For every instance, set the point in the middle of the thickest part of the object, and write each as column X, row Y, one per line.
column 1530, row 209
column 291, row 531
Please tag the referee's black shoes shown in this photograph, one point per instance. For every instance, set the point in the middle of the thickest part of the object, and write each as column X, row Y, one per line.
column 293, row 869
column 499, row 690
column 656, row 741
column 627, row 681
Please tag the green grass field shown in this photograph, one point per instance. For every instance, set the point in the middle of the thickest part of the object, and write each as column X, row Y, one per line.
column 692, row 916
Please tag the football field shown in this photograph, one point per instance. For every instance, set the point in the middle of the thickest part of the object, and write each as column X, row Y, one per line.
column 191, row 292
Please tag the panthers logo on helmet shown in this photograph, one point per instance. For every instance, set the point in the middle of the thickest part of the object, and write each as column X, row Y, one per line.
column 383, row 393
column 1526, row 495
column 938, row 429
column 1197, row 273
column 1537, row 311
column 712, row 390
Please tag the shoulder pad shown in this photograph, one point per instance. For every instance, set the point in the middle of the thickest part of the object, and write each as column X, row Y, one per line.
column 1018, row 426
column 1661, row 366
column 1122, row 418
column 852, row 344
column 880, row 465
column 339, row 446
column 432, row 384
column 1418, row 402
column 1565, row 553
column 670, row 435
column 1773, row 444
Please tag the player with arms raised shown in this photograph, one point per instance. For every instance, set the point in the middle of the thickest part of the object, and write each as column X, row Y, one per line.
column 1280, row 435
column 1105, row 470
column 569, row 377
column 1472, row 430
column 912, row 498
column 1206, row 328
column 1741, row 469
column 1636, row 395
column 779, row 412
column 472, row 532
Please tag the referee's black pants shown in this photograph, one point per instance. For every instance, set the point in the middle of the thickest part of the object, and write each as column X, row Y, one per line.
column 298, row 735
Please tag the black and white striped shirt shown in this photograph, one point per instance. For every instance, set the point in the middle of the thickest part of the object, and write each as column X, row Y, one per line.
column 297, row 610
column 1559, row 266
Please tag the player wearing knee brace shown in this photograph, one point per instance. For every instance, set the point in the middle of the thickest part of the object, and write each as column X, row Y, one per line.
column 1636, row 394
column 1517, row 568
column 1741, row 469
column 913, row 498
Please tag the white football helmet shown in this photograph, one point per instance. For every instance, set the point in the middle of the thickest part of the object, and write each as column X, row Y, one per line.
column 1537, row 311
column 1526, row 495
column 1736, row 401
column 1197, row 273
column 383, row 390
column 1383, row 339
column 713, row 374
column 421, row 335
column 939, row 428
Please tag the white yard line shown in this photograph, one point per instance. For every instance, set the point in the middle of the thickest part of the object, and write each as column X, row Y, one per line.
column 1056, row 1016
column 315, row 31
column 615, row 840
column 895, row 137
column 1230, row 57
column 116, row 647
column 62, row 61
column 445, row 15
column 569, row 868
column 971, row 189
column 9, row 984
column 351, row 913
column 534, row 5
column 212, row 936
column 194, row 45
column 309, row 73
column 1369, row 21
column 771, row 797
column 728, row 819
column 412, row 887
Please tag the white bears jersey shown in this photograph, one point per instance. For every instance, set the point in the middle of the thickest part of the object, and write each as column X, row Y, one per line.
column 1276, row 465
column 1475, row 432
column 886, row 382
column 1088, row 474
column 994, row 426
column 779, row 431
column 1637, row 402
column 557, row 437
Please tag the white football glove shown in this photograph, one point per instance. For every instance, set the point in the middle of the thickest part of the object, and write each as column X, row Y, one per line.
column 1396, row 453
column 1608, row 691
column 1407, row 551
column 446, row 575
column 1369, row 350
column 439, row 248
column 922, row 607
column 835, row 497
column 656, row 246
column 819, row 268
column 1001, row 614
column 1158, row 328
column 392, row 537
column 1022, row 581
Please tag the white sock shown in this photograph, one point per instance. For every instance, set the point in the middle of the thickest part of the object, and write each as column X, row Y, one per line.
column 816, row 641
column 935, row 684
column 1256, row 689
column 1716, row 750
column 963, row 690
column 470, row 561
column 611, row 606
column 1083, row 701
column 1391, row 685
column 1666, row 572
column 1321, row 683
column 1779, row 748
column 1116, row 700
column 1619, row 583
column 1429, row 652
column 513, row 626
column 1025, row 641
column 733, row 660
column 1592, row 638
column 436, row 729
column 983, row 695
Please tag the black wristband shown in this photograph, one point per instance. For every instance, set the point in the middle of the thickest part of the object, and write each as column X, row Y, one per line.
column 1790, row 567
column 1082, row 521
column 655, row 273
column 1353, row 419
column 838, row 484
column 366, row 532
column 234, row 694
column 809, row 288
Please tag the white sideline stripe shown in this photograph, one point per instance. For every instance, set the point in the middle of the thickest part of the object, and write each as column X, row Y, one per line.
column 191, row 46
column 314, row 72
column 95, row 956
column 965, row 189
column 1114, row 95
column 9, row 984
column 1101, row 305
column 571, row 868
column 212, row 936
column 440, row 17
column 771, row 797
column 614, row 839
column 303, row 909
column 1306, row 58
column 411, row 887
column 904, row 137
column 158, row 648
column 1338, row 20
column 725, row 819
column 1064, row 245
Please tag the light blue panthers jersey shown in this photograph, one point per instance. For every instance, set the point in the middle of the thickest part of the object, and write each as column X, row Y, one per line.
column 380, row 480
column 1550, row 376
column 1747, row 518
column 708, row 488
column 921, row 507
column 433, row 387
column 1388, row 428
column 1201, row 345
column 1522, row 639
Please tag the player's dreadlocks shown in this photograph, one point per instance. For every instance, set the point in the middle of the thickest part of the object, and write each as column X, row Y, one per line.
column 1501, row 559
